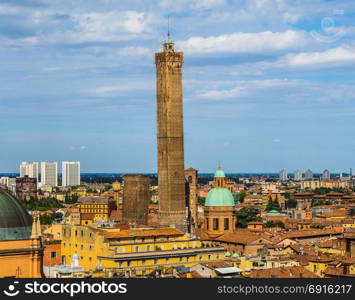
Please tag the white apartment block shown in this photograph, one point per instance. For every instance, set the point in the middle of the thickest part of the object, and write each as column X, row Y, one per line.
column 29, row 169
column 283, row 175
column 49, row 173
column 297, row 175
column 70, row 173
column 4, row 181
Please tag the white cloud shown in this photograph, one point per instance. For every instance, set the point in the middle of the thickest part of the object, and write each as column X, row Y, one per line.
column 117, row 90
column 8, row 9
column 134, row 51
column 276, row 140
column 260, row 42
column 278, row 91
column 331, row 57
column 244, row 88
column 110, row 26
column 77, row 148
column 207, row 4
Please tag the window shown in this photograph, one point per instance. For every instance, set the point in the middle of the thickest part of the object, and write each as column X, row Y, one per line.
column 226, row 223
column 53, row 254
column 215, row 224
column 207, row 225
column 148, row 248
column 137, row 249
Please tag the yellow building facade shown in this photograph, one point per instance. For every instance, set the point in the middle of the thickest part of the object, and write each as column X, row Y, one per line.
column 134, row 251
column 94, row 208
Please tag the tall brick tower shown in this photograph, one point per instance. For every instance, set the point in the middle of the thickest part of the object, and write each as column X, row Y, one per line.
column 170, row 134
column 135, row 199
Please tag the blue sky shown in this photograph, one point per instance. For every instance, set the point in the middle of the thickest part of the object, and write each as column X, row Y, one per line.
column 268, row 84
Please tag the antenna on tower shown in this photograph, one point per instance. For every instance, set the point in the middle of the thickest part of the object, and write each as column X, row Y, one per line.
column 168, row 26
column 169, row 40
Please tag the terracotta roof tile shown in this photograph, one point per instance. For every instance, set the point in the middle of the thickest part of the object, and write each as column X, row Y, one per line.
column 283, row 272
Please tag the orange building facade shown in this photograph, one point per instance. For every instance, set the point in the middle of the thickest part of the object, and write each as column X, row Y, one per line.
column 21, row 250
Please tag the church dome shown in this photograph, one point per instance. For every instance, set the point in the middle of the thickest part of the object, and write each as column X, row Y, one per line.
column 219, row 173
column 219, row 195
column 15, row 221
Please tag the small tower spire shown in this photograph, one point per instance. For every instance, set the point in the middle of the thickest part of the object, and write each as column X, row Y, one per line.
column 169, row 39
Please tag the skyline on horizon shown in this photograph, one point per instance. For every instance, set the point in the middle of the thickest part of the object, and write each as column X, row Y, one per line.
column 259, row 95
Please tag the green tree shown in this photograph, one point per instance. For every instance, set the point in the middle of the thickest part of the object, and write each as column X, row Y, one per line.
column 246, row 215
column 273, row 205
column 240, row 196
column 275, row 224
column 46, row 219
column 291, row 203
column 201, row 200
column 108, row 187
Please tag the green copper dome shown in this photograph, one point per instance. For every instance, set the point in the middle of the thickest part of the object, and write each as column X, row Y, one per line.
column 15, row 221
column 219, row 173
column 219, row 197
column 169, row 39
column 273, row 213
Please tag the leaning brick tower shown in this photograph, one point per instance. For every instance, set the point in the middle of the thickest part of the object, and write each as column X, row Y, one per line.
column 170, row 134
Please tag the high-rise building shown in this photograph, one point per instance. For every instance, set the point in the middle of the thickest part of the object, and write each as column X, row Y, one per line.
column 283, row 175
column 49, row 173
column 325, row 175
column 26, row 188
column 4, row 181
column 29, row 169
column 308, row 175
column 297, row 176
column 170, row 136
column 135, row 199
column 70, row 173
